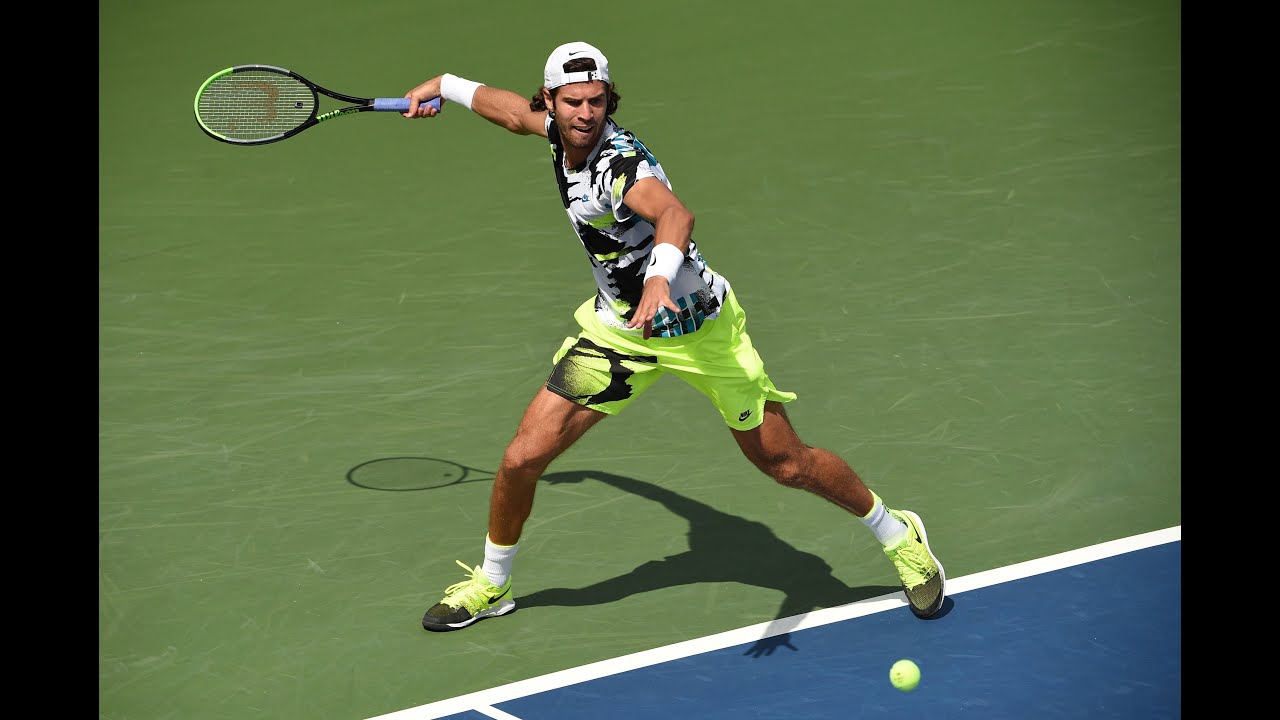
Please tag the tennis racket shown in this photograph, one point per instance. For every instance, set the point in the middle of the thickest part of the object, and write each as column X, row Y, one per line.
column 260, row 104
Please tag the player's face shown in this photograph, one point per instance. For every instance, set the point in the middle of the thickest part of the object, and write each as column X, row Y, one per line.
column 580, row 112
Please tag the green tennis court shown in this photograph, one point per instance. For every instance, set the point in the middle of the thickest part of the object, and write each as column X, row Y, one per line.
column 956, row 229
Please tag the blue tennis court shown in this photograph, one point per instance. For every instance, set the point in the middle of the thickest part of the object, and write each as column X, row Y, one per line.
column 1094, row 633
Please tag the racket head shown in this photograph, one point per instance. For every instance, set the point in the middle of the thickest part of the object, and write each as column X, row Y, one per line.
column 255, row 104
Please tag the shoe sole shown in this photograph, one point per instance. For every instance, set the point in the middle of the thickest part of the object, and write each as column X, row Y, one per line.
column 924, row 536
column 501, row 608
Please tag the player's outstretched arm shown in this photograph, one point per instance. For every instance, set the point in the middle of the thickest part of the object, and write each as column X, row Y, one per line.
column 500, row 107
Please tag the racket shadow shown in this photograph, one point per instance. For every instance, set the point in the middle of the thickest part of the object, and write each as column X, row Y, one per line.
column 407, row 473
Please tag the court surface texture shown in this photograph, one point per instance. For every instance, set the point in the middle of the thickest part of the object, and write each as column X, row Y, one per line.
column 955, row 229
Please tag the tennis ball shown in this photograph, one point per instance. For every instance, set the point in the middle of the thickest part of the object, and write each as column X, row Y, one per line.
column 905, row 675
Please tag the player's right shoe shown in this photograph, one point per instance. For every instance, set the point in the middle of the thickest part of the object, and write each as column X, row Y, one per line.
column 468, row 601
column 923, row 581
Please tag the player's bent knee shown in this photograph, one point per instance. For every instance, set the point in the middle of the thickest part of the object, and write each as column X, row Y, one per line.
column 527, row 460
column 784, row 469
column 518, row 465
column 789, row 474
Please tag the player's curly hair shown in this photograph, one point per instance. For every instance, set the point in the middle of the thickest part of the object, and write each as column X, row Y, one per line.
column 536, row 103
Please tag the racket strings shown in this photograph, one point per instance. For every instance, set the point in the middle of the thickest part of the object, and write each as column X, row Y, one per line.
column 255, row 105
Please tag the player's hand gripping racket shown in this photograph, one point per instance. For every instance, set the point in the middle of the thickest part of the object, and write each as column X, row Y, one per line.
column 260, row 104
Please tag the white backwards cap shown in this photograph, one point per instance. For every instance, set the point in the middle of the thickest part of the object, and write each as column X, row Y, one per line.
column 553, row 76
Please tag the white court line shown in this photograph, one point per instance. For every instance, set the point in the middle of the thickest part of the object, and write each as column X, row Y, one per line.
column 483, row 700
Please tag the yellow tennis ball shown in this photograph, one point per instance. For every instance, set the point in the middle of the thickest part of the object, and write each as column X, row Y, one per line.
column 905, row 675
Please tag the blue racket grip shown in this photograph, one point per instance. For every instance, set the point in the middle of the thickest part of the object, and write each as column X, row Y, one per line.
column 400, row 105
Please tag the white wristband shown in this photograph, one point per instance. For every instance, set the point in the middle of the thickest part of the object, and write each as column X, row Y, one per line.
column 665, row 259
column 458, row 90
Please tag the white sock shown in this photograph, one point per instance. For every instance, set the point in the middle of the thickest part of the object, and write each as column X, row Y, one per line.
column 888, row 529
column 498, row 560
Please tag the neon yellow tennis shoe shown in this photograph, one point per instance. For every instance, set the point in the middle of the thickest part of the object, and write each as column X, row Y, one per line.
column 468, row 601
column 923, row 580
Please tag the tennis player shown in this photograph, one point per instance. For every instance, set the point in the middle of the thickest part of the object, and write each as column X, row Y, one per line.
column 658, row 309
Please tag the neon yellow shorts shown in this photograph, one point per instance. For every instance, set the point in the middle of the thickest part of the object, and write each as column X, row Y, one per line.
column 605, row 370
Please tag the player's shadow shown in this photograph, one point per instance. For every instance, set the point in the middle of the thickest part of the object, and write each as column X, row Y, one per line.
column 722, row 548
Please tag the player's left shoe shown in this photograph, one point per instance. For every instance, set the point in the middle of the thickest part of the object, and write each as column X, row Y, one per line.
column 468, row 601
column 923, row 580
